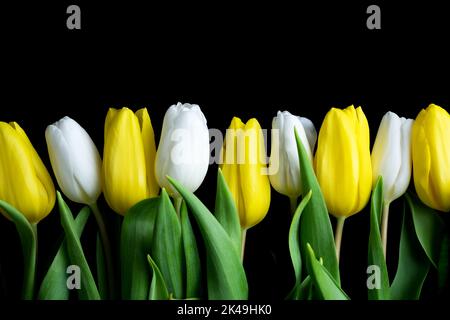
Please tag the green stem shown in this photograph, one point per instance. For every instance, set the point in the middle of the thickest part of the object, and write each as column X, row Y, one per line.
column 293, row 202
column 338, row 236
column 29, row 271
column 384, row 227
column 243, row 237
column 106, row 248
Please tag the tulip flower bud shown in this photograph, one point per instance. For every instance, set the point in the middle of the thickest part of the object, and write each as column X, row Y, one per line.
column 183, row 150
column 431, row 157
column 24, row 181
column 75, row 160
column 244, row 169
column 342, row 161
column 284, row 156
column 391, row 156
column 128, row 159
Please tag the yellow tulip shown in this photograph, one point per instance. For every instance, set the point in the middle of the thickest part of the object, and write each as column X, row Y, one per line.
column 245, row 171
column 431, row 157
column 128, row 159
column 24, row 181
column 342, row 161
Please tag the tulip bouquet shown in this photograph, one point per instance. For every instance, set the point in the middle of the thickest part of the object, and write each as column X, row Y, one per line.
column 168, row 245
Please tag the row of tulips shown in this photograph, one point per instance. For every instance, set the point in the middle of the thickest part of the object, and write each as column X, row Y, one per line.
column 338, row 180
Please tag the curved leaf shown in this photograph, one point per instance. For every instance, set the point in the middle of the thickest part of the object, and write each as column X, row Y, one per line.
column 193, row 266
column 226, row 213
column 28, row 238
column 88, row 289
column 316, row 226
column 167, row 246
column 135, row 243
column 375, row 252
column 326, row 285
column 225, row 273
column 413, row 264
column 429, row 226
column 101, row 269
column 53, row 286
column 158, row 288
column 294, row 245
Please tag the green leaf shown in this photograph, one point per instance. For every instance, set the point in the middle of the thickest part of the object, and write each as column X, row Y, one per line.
column 88, row 289
column 226, row 212
column 158, row 288
column 316, row 226
column 135, row 243
column 375, row 251
column 28, row 238
column 429, row 226
column 294, row 245
column 167, row 246
column 301, row 291
column 326, row 285
column 193, row 266
column 413, row 264
column 443, row 265
column 101, row 269
column 225, row 273
column 54, row 286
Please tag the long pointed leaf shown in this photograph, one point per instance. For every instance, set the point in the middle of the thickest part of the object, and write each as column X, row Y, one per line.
column 413, row 264
column 88, row 289
column 429, row 226
column 226, row 212
column 101, row 269
column 375, row 252
column 316, row 226
column 167, row 247
column 324, row 282
column 28, row 239
column 225, row 273
column 193, row 267
column 135, row 243
column 53, row 286
column 294, row 245
column 158, row 288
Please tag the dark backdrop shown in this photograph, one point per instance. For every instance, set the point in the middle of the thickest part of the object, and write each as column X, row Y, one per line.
column 233, row 60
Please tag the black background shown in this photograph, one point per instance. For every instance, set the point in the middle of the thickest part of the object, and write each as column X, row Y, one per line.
column 233, row 60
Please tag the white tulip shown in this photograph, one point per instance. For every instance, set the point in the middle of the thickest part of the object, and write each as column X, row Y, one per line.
column 75, row 161
column 284, row 156
column 183, row 151
column 391, row 155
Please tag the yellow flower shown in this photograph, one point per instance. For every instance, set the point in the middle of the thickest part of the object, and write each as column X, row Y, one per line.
column 245, row 172
column 431, row 157
column 24, row 181
column 342, row 162
column 128, row 159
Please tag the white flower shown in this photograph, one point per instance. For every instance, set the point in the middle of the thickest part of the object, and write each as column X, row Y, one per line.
column 183, row 151
column 284, row 156
column 391, row 155
column 75, row 160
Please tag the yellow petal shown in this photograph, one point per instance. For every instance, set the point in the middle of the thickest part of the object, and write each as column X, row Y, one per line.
column 124, row 170
column 27, row 183
column 255, row 184
column 148, row 140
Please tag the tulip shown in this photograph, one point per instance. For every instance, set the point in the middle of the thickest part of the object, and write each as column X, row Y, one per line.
column 245, row 171
column 391, row 156
column 391, row 159
column 183, row 150
column 128, row 159
column 75, row 161
column 284, row 157
column 24, row 181
column 343, row 165
column 431, row 157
